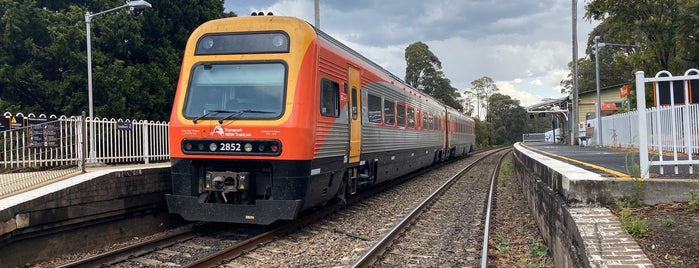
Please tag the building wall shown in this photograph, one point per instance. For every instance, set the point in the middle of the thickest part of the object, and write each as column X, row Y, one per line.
column 588, row 100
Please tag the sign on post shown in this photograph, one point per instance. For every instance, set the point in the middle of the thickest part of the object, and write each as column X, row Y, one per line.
column 43, row 132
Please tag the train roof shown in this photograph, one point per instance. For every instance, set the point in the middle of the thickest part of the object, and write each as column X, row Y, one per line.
column 371, row 63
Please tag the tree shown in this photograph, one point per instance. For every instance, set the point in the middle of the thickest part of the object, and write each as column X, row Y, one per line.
column 662, row 26
column 508, row 118
column 483, row 88
column 136, row 58
column 422, row 65
column 423, row 71
column 467, row 102
column 485, row 135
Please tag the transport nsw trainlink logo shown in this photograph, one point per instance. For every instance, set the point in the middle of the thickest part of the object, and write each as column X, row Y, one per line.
column 229, row 132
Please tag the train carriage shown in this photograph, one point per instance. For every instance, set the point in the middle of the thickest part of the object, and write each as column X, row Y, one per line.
column 272, row 117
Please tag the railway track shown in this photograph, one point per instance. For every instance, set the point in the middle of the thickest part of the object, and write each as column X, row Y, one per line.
column 337, row 235
column 447, row 227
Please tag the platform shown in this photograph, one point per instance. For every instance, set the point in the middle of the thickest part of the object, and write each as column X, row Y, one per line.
column 568, row 187
column 608, row 162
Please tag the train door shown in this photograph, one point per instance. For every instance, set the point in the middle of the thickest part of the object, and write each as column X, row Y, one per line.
column 355, row 115
column 447, row 131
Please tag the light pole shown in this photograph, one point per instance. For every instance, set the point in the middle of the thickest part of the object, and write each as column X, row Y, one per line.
column 598, row 108
column 88, row 18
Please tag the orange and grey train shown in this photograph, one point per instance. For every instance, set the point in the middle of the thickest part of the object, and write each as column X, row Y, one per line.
column 273, row 117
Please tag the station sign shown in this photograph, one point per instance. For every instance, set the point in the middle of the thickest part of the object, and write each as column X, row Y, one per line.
column 17, row 122
column 4, row 123
column 124, row 125
column 43, row 132
column 624, row 91
column 664, row 96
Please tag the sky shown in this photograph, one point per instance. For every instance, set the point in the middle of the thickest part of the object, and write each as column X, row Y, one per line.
column 524, row 46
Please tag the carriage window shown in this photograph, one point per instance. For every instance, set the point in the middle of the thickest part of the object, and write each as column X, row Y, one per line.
column 329, row 98
column 389, row 112
column 431, row 122
column 374, row 103
column 355, row 104
column 425, row 122
column 411, row 117
column 400, row 114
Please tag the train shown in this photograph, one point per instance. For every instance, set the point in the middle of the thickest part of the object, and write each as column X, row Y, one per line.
column 273, row 117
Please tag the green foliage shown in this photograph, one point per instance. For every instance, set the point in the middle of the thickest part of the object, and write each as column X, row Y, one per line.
column 537, row 249
column 673, row 260
column 636, row 198
column 634, row 225
column 508, row 118
column 662, row 28
column 693, row 203
column 668, row 222
column 502, row 245
column 424, row 71
column 485, row 135
column 508, row 166
column 483, row 88
column 136, row 57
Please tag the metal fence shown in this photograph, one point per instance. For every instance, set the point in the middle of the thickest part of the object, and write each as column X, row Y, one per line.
column 38, row 149
column 670, row 129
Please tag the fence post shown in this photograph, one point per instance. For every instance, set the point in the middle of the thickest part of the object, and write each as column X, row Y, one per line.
column 145, row 141
column 642, row 129
column 83, row 145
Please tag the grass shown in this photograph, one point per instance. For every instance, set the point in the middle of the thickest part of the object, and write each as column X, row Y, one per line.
column 693, row 202
column 634, row 225
column 537, row 249
column 668, row 222
column 502, row 245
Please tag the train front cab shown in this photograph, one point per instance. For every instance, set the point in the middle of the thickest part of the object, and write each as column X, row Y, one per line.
column 235, row 157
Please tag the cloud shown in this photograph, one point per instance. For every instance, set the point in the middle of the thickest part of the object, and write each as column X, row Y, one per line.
column 512, row 42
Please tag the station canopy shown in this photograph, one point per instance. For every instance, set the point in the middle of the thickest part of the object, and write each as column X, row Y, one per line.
column 550, row 105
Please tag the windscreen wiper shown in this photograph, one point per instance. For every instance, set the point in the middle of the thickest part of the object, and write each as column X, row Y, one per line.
column 237, row 113
column 220, row 121
column 209, row 113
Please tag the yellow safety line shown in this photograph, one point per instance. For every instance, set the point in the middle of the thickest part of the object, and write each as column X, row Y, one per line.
column 610, row 171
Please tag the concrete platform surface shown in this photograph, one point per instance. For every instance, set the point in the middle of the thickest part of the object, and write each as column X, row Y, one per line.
column 608, row 162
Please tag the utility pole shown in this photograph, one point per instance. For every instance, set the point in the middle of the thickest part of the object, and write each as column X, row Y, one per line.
column 317, row 13
column 575, row 111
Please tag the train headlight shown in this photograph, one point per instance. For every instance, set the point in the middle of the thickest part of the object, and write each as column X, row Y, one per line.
column 206, row 43
column 278, row 40
column 188, row 146
column 248, row 147
column 274, row 148
column 213, row 147
column 261, row 147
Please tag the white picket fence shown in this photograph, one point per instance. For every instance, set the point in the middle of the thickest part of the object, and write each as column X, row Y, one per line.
column 65, row 141
column 38, row 149
column 672, row 129
column 621, row 130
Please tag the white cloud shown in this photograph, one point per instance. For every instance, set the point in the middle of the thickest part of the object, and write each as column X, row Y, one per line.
column 522, row 45
column 525, row 98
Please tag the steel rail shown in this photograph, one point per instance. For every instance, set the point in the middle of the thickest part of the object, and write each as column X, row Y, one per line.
column 486, row 227
column 238, row 249
column 380, row 247
column 124, row 253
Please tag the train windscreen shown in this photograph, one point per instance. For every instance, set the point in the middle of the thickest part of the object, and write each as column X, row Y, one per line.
column 236, row 91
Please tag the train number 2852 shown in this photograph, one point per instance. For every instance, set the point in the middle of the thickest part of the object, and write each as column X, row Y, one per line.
column 230, row 147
